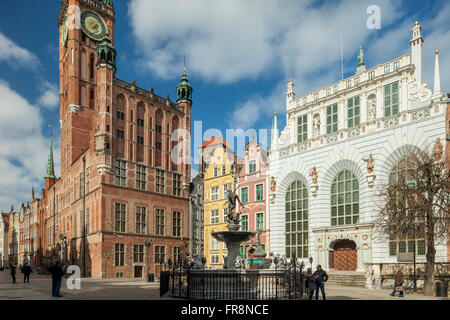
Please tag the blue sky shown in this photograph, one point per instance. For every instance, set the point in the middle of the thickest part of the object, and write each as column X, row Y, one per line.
column 240, row 55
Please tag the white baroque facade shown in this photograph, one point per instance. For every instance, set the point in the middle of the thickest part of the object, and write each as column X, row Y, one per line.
column 324, row 202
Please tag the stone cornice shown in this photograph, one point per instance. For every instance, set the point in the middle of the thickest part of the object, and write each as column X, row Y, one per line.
column 149, row 95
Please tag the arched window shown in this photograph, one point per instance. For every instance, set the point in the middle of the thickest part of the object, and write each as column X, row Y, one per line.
column 91, row 67
column 405, row 243
column 297, row 220
column 345, row 199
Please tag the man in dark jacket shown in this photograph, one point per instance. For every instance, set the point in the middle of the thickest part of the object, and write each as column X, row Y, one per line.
column 321, row 277
column 13, row 272
column 26, row 273
column 57, row 272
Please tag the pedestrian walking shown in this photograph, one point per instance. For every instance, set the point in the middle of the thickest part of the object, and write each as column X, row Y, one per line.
column 26, row 273
column 398, row 283
column 57, row 271
column 13, row 272
column 321, row 277
column 311, row 283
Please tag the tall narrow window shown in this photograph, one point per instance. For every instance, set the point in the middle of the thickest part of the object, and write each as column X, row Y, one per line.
column 141, row 220
column 244, row 195
column 119, row 251
column 260, row 221
column 252, row 167
column 176, row 184
column 120, row 217
column 405, row 242
column 332, row 118
column 260, row 192
column 302, row 128
column 138, row 253
column 391, row 99
column 297, row 220
column 91, row 67
column 159, row 225
column 353, row 112
column 244, row 223
column 159, row 181
column 141, row 177
column 214, row 217
column 120, row 173
column 215, row 193
column 160, row 254
column 345, row 199
column 176, row 224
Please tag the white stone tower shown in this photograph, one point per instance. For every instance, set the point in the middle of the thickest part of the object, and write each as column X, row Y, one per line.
column 416, row 51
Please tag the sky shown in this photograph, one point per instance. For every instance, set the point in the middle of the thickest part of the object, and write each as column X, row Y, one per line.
column 239, row 58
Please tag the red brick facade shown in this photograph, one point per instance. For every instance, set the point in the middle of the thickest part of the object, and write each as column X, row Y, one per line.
column 105, row 120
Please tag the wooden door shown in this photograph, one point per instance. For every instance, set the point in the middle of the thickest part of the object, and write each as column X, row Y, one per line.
column 345, row 256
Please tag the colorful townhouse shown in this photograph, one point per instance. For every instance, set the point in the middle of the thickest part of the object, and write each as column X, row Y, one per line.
column 216, row 158
column 253, row 191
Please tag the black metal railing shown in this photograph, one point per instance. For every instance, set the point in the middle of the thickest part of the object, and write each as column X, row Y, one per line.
column 245, row 284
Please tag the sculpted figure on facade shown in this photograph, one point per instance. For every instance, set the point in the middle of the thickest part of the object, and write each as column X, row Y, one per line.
column 370, row 163
column 273, row 184
column 316, row 125
column 314, row 176
column 372, row 107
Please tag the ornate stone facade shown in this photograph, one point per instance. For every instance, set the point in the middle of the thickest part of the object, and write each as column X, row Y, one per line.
column 367, row 124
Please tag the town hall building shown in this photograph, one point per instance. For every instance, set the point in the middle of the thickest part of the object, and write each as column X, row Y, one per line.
column 340, row 144
column 121, row 205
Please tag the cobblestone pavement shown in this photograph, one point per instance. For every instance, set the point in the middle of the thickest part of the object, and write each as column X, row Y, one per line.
column 39, row 288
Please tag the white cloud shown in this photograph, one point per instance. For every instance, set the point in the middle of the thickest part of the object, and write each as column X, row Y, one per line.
column 49, row 98
column 16, row 55
column 23, row 155
column 315, row 62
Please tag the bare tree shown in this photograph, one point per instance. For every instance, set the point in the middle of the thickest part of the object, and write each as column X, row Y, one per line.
column 416, row 202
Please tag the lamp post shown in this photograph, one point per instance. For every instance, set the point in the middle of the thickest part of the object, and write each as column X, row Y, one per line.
column 147, row 243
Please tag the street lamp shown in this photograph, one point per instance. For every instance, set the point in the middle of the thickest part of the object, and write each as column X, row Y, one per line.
column 147, row 243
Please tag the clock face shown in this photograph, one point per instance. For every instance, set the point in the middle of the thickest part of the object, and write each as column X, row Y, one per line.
column 93, row 25
column 65, row 31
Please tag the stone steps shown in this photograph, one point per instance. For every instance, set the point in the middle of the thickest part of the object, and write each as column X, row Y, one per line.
column 347, row 279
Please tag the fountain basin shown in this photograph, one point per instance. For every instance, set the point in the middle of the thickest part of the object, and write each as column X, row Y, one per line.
column 233, row 236
column 233, row 240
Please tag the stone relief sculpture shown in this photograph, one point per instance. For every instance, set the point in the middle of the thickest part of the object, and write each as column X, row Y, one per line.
column 372, row 107
column 315, row 181
column 316, row 124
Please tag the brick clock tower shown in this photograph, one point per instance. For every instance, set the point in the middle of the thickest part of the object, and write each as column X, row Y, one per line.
column 121, row 205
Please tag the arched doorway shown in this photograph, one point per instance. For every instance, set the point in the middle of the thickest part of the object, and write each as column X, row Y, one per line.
column 343, row 255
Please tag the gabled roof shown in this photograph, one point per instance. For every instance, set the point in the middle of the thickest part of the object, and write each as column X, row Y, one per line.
column 215, row 141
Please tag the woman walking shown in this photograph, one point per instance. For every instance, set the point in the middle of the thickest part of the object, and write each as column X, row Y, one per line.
column 26, row 273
